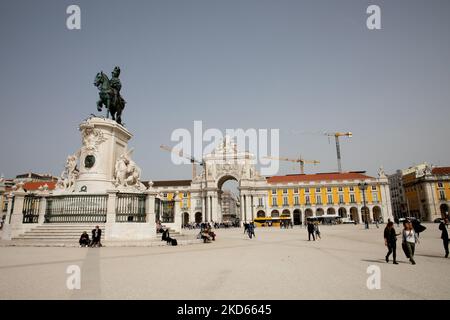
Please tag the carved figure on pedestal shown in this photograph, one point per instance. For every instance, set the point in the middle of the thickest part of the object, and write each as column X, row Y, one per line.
column 91, row 137
column 70, row 173
column 127, row 172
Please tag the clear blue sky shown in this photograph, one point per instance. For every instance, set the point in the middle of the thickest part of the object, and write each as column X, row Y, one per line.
column 309, row 66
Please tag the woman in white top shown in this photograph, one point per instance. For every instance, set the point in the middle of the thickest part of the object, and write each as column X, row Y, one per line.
column 409, row 240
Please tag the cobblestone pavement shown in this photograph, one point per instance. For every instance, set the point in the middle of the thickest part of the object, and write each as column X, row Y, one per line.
column 277, row 264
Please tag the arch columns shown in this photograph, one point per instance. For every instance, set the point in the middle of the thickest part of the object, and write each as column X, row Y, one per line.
column 359, row 208
column 241, row 207
column 215, row 207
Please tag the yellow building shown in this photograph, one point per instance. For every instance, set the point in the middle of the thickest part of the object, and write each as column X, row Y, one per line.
column 427, row 192
column 328, row 195
column 168, row 191
column 297, row 196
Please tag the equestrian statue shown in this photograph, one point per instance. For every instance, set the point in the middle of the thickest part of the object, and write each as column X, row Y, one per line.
column 109, row 94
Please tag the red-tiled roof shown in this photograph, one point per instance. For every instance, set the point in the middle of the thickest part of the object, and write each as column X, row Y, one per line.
column 33, row 186
column 441, row 170
column 353, row 175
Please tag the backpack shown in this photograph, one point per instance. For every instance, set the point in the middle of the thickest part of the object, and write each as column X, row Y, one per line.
column 174, row 242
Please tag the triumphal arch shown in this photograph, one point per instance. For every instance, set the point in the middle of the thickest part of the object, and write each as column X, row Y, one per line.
column 225, row 163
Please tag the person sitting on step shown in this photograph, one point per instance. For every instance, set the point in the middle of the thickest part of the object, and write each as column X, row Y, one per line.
column 84, row 240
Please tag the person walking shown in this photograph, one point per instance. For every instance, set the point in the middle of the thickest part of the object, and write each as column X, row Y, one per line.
column 409, row 240
column 390, row 241
column 310, row 227
column 251, row 230
column 317, row 230
column 245, row 227
column 444, row 234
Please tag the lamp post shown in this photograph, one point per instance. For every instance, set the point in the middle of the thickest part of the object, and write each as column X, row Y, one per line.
column 363, row 186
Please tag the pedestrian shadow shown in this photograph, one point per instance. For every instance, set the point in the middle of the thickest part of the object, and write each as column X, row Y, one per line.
column 374, row 261
column 430, row 256
column 381, row 261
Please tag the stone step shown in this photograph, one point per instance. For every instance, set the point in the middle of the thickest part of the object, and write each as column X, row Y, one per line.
column 141, row 243
column 66, row 226
column 60, row 232
column 50, row 236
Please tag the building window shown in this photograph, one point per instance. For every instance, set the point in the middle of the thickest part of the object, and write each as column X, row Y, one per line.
column 284, row 191
column 261, row 202
column 352, row 198
column 306, row 190
column 330, row 199
column 341, row 198
column 375, row 197
column 185, row 195
column 374, row 188
column 329, row 189
column 340, row 189
column 352, row 189
column 440, row 185
column 285, row 201
column 185, row 204
column 296, row 202
column 199, row 203
column 274, row 201
column 317, row 190
column 319, row 199
column 296, row 190
column 165, row 195
column 307, row 200
column 274, row 191
column 441, row 195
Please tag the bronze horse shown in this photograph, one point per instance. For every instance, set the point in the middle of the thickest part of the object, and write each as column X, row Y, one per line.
column 109, row 98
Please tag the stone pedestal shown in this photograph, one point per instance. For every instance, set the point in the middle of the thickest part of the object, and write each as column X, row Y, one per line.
column 129, row 231
column 17, row 225
column 104, row 141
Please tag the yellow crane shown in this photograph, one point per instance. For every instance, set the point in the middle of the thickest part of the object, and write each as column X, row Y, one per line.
column 336, row 136
column 181, row 154
column 299, row 160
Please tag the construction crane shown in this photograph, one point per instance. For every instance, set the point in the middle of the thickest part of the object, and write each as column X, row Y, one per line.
column 180, row 153
column 300, row 160
column 336, row 136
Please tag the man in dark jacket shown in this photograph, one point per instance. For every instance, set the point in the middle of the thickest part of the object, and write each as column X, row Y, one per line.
column 96, row 237
column 311, row 231
column 444, row 235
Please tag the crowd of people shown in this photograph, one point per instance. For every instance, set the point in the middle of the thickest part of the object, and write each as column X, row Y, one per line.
column 216, row 225
column 206, row 233
column 409, row 235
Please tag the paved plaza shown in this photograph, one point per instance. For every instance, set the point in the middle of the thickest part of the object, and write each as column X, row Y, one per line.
column 277, row 264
